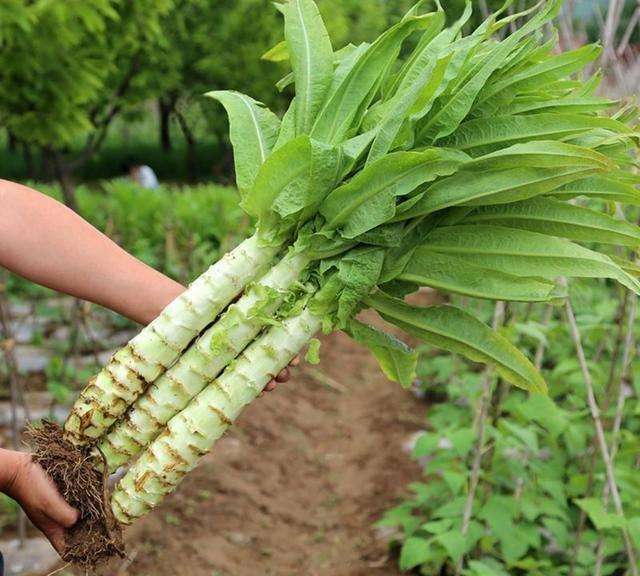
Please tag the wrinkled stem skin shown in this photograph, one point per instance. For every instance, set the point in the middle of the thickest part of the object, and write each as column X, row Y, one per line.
column 192, row 433
column 200, row 365
column 130, row 371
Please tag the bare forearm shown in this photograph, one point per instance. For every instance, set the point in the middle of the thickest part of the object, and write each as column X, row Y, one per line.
column 45, row 242
column 9, row 464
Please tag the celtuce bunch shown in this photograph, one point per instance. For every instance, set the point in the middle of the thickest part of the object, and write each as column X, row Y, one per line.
column 458, row 167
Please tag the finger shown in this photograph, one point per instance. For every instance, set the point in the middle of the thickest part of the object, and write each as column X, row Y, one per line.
column 62, row 513
column 295, row 362
column 271, row 386
column 55, row 535
column 284, row 376
column 57, row 508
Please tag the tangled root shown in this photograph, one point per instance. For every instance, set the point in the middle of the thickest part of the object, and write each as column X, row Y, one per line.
column 97, row 536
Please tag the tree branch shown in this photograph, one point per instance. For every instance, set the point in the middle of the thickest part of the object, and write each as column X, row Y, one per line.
column 480, row 425
column 617, row 423
column 633, row 22
column 7, row 344
column 602, row 442
column 539, row 357
column 96, row 139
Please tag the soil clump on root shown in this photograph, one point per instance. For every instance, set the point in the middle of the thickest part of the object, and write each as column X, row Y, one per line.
column 97, row 536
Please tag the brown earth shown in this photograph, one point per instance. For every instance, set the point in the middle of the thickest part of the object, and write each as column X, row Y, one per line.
column 296, row 486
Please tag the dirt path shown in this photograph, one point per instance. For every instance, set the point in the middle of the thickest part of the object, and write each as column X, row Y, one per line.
column 294, row 489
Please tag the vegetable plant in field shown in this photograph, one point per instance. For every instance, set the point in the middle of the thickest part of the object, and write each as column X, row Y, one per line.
column 539, row 506
column 453, row 167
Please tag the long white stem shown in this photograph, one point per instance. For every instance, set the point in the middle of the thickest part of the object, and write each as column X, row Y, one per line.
column 156, row 348
column 201, row 364
column 191, row 433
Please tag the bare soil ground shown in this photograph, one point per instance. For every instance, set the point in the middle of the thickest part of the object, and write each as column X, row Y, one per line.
column 295, row 487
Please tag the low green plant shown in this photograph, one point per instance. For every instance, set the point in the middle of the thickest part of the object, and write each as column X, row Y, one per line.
column 540, row 472
column 8, row 512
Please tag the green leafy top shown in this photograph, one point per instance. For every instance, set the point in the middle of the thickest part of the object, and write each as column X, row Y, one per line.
column 457, row 167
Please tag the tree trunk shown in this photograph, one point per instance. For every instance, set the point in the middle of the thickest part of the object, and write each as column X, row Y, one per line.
column 28, row 161
column 64, row 177
column 12, row 141
column 165, row 108
column 192, row 159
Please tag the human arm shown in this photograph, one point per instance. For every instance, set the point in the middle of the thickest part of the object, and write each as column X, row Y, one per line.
column 45, row 242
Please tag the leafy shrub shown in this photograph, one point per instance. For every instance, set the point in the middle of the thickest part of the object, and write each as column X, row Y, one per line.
column 540, row 471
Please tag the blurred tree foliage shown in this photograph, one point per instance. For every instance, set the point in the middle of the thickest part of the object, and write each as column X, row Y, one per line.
column 69, row 68
column 217, row 44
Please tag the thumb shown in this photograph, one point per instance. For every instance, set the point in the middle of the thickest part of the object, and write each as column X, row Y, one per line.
column 55, row 506
column 62, row 513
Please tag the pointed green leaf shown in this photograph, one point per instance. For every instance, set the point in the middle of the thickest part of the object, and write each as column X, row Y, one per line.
column 629, row 267
column 551, row 68
column 361, row 83
column 416, row 551
column 451, row 274
column 542, row 154
column 530, row 52
column 569, row 105
column 285, row 81
column 485, row 135
column 279, row 53
column 353, row 150
column 284, row 168
column 396, row 111
column 369, row 199
column 287, row 126
column 452, row 329
column 598, row 514
column 346, row 59
column 602, row 187
column 306, row 193
column 411, row 68
column 556, row 218
column 432, row 66
column 311, row 57
column 397, row 360
column 253, row 131
column 472, row 188
column 454, row 107
column 525, row 253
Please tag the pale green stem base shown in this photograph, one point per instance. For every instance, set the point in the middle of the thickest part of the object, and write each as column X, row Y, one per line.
column 156, row 347
column 200, row 365
column 192, row 433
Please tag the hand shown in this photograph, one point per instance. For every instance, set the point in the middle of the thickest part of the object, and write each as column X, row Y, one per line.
column 283, row 377
column 28, row 484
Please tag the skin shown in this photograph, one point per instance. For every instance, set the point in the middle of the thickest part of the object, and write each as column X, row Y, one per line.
column 49, row 244
column 26, row 482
